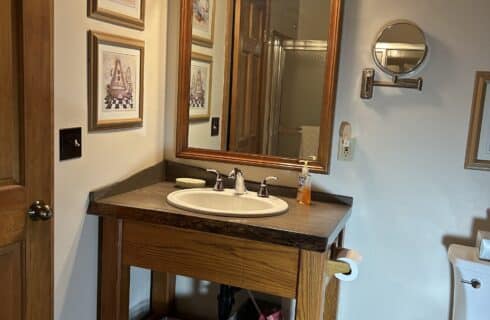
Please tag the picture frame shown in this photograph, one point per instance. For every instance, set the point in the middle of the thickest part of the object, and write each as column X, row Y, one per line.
column 126, row 13
column 478, row 146
column 201, row 73
column 115, row 82
column 203, row 17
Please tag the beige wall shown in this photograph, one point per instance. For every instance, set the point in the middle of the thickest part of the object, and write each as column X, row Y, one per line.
column 107, row 156
column 411, row 191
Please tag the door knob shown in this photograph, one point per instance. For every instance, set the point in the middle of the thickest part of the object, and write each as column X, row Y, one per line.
column 40, row 211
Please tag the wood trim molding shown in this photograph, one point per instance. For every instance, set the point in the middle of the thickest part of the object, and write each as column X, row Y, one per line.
column 322, row 165
column 225, row 112
column 331, row 75
column 185, row 53
column 476, row 123
column 38, row 121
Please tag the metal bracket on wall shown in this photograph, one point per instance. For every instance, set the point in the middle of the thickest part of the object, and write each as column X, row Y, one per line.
column 368, row 83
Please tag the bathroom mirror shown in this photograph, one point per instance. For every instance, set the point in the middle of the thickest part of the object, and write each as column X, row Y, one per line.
column 400, row 48
column 257, row 81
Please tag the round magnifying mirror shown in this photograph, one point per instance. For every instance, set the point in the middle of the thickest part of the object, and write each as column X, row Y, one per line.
column 400, row 48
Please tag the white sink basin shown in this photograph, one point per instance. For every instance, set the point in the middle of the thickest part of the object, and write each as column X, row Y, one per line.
column 226, row 203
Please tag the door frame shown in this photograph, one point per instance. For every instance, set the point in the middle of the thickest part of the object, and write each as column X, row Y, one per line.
column 37, row 90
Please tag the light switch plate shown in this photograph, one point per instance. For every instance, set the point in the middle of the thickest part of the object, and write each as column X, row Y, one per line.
column 70, row 143
column 214, row 126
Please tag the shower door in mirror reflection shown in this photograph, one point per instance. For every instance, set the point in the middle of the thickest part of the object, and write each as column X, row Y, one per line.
column 478, row 148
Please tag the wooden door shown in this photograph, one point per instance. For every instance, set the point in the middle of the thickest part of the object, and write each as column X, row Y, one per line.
column 250, row 20
column 26, row 159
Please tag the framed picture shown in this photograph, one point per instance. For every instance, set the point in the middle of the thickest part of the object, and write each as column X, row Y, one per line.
column 127, row 13
column 200, row 86
column 478, row 147
column 115, row 88
column 203, row 22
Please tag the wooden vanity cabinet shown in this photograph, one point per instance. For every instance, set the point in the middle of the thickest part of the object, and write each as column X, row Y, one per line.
column 284, row 255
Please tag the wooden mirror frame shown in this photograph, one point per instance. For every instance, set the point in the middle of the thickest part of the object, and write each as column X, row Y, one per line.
column 476, row 123
column 321, row 165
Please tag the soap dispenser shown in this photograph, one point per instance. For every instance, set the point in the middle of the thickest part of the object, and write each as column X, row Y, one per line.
column 304, row 184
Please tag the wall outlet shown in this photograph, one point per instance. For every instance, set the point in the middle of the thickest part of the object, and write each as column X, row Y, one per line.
column 346, row 142
column 346, row 150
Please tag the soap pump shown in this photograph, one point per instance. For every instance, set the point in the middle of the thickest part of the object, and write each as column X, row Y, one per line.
column 304, row 184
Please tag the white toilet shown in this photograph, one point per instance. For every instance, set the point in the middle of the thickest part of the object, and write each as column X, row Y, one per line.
column 471, row 284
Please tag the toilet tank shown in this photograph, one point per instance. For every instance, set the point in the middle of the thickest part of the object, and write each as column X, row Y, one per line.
column 471, row 284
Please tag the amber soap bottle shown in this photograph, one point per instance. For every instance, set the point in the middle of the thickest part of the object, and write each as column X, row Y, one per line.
column 304, row 185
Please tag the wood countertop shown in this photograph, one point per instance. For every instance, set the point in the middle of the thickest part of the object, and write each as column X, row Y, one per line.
column 312, row 227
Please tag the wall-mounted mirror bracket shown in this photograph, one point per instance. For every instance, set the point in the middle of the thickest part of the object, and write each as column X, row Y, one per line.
column 368, row 83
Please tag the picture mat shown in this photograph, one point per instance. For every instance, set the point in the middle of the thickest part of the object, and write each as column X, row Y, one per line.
column 117, row 6
column 104, row 75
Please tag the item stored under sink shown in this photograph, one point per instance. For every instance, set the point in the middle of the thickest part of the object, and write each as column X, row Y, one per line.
column 256, row 309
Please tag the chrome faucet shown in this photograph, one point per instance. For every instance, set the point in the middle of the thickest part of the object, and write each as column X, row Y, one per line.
column 237, row 175
column 264, row 187
column 218, row 185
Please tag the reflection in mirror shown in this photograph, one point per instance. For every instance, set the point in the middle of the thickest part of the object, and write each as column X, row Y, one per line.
column 400, row 48
column 262, row 74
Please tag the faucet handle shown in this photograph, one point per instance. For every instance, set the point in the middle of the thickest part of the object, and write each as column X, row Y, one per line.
column 264, row 188
column 233, row 173
column 218, row 186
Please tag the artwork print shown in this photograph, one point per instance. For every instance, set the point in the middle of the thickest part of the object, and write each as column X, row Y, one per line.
column 203, row 21
column 115, row 82
column 119, row 82
column 200, row 85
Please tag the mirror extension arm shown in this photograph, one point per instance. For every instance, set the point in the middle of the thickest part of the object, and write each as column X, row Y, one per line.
column 368, row 83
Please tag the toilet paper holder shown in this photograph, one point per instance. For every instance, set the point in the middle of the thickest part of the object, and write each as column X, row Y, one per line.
column 334, row 266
